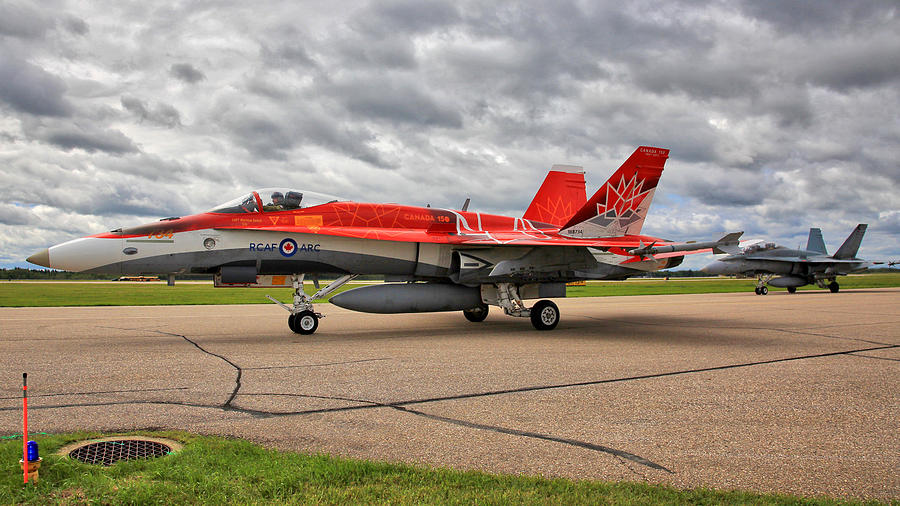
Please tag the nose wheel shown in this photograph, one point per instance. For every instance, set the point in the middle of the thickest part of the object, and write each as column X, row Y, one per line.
column 761, row 281
column 304, row 322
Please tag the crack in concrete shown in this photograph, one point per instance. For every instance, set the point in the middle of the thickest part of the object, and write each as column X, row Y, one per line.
column 534, row 435
column 402, row 405
column 237, row 386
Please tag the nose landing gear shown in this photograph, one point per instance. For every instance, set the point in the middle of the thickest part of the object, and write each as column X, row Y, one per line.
column 303, row 319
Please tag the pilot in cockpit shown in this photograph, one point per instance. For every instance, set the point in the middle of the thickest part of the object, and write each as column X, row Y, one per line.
column 276, row 204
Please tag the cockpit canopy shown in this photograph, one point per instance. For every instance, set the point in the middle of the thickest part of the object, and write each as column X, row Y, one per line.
column 760, row 246
column 274, row 199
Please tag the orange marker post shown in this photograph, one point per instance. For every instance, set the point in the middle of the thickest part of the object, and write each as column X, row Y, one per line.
column 25, row 429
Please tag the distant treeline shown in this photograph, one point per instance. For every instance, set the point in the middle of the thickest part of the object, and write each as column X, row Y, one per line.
column 50, row 274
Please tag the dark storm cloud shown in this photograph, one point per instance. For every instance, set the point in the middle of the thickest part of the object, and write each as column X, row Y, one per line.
column 803, row 16
column 273, row 134
column 715, row 186
column 23, row 21
column 86, row 137
column 391, row 52
column 30, row 89
column 288, row 53
column 75, row 25
column 695, row 77
column 405, row 16
column 186, row 72
column 545, row 44
column 13, row 214
column 858, row 66
column 163, row 114
column 261, row 135
column 396, row 102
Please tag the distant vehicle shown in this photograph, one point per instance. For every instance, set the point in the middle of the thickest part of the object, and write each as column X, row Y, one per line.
column 434, row 259
column 137, row 278
column 795, row 267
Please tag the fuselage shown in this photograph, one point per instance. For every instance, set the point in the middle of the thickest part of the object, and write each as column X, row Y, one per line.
column 335, row 236
column 777, row 260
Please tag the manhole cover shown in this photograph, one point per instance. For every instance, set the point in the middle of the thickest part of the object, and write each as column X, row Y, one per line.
column 111, row 450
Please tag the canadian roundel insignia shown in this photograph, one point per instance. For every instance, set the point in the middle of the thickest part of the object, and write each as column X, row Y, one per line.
column 288, row 247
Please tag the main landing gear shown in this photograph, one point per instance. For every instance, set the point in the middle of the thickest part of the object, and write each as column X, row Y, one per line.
column 303, row 319
column 833, row 286
column 477, row 314
column 544, row 314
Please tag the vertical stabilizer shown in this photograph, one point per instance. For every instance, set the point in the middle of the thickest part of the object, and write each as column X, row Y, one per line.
column 851, row 245
column 561, row 194
column 816, row 241
column 620, row 205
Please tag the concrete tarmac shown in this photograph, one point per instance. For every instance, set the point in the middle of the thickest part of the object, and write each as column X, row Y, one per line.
column 780, row 393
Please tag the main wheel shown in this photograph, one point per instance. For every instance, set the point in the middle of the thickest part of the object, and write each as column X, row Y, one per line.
column 792, row 289
column 756, row 290
column 834, row 286
column 545, row 315
column 477, row 314
column 304, row 322
column 764, row 290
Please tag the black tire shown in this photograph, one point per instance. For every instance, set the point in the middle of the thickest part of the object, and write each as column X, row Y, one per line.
column 545, row 315
column 304, row 322
column 756, row 290
column 792, row 289
column 834, row 287
column 764, row 290
column 477, row 314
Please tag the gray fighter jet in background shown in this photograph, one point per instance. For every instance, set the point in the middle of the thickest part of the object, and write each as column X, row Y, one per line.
column 795, row 267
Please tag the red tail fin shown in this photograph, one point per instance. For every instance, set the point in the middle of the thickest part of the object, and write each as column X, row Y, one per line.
column 561, row 194
column 620, row 206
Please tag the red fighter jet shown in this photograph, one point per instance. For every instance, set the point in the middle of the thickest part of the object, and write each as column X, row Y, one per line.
column 432, row 259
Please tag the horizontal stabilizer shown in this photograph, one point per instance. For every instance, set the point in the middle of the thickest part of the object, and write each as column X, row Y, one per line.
column 729, row 244
column 723, row 245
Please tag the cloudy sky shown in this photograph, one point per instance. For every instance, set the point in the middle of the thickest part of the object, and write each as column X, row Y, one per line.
column 779, row 115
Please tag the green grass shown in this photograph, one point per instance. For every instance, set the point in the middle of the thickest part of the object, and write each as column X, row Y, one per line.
column 219, row 471
column 50, row 294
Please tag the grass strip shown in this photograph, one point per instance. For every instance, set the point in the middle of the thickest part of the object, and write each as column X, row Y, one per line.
column 213, row 470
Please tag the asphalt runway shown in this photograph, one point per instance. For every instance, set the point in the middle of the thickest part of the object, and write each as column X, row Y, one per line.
column 780, row 393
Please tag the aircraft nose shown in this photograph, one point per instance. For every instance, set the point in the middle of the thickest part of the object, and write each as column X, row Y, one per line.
column 41, row 258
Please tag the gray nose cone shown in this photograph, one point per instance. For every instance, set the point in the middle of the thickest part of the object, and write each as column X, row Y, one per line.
column 41, row 258
column 713, row 268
